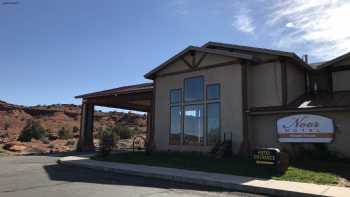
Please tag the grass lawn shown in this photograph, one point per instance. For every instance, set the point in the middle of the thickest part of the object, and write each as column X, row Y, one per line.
column 320, row 172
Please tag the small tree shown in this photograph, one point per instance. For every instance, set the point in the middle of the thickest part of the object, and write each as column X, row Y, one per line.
column 64, row 134
column 75, row 129
column 123, row 132
column 32, row 130
column 108, row 139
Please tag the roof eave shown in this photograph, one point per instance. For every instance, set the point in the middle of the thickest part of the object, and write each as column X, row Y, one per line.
column 290, row 55
column 151, row 74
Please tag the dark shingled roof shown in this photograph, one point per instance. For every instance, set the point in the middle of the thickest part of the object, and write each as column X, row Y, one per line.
column 286, row 54
column 320, row 101
column 138, row 88
column 334, row 61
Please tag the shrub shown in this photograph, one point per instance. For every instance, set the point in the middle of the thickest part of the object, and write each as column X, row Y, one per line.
column 75, row 129
column 108, row 139
column 32, row 130
column 64, row 134
column 123, row 132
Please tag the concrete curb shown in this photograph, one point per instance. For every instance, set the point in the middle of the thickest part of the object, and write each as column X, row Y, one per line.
column 231, row 182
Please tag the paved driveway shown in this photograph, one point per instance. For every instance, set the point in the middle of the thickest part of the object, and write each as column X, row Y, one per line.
column 40, row 176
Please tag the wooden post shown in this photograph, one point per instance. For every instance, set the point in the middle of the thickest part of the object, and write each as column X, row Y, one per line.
column 284, row 82
column 245, row 146
column 86, row 128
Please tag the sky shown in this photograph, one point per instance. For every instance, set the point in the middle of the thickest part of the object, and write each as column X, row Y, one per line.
column 53, row 50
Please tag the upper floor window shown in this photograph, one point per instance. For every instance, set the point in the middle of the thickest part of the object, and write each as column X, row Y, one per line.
column 175, row 96
column 213, row 91
column 194, row 89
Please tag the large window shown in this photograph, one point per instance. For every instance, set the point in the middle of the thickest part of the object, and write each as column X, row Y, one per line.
column 213, row 123
column 175, row 125
column 195, row 116
column 194, row 89
column 193, row 125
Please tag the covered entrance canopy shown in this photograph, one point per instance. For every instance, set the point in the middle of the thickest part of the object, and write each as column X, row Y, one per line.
column 135, row 97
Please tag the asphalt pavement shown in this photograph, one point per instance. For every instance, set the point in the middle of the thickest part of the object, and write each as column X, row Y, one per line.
column 41, row 176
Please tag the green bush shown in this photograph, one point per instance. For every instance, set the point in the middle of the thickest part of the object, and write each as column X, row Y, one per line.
column 108, row 140
column 64, row 134
column 75, row 129
column 32, row 130
column 123, row 132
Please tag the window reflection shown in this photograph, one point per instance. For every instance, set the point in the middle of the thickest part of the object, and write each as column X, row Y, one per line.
column 213, row 123
column 175, row 125
column 194, row 89
column 193, row 125
column 213, row 91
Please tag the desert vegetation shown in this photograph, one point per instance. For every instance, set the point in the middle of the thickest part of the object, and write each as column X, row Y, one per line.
column 55, row 128
column 32, row 130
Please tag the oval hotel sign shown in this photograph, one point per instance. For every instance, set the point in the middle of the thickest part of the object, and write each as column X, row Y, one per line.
column 305, row 128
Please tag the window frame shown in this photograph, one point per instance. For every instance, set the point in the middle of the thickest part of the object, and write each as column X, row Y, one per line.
column 203, row 124
column 181, row 96
column 203, row 103
column 181, row 125
column 177, row 104
column 184, row 90
column 206, row 124
column 206, row 91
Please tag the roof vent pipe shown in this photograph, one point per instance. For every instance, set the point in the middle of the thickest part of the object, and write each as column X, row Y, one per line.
column 305, row 58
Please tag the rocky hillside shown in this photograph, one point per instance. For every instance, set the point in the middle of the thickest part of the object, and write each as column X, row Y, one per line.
column 13, row 118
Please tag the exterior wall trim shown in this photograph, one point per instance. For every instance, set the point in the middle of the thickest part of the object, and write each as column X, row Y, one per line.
column 228, row 63
column 299, row 110
column 284, row 82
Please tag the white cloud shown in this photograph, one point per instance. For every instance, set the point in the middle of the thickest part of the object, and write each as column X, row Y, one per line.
column 290, row 24
column 243, row 23
column 319, row 25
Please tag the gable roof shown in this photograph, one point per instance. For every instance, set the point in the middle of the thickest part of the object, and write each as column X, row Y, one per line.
column 334, row 61
column 150, row 74
column 289, row 55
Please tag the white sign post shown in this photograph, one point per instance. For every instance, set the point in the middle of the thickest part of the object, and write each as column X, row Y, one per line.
column 305, row 128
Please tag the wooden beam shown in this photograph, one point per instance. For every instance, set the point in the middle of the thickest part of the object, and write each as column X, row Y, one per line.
column 193, row 54
column 127, row 106
column 284, row 82
column 120, row 98
column 245, row 146
column 228, row 63
column 204, row 55
column 86, row 128
column 330, row 82
column 186, row 62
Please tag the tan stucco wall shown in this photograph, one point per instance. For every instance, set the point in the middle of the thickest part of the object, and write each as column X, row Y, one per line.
column 264, row 132
column 176, row 66
column 295, row 81
column 231, row 101
column 341, row 80
column 264, row 85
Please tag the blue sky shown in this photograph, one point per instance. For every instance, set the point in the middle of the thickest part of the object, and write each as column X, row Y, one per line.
column 51, row 51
